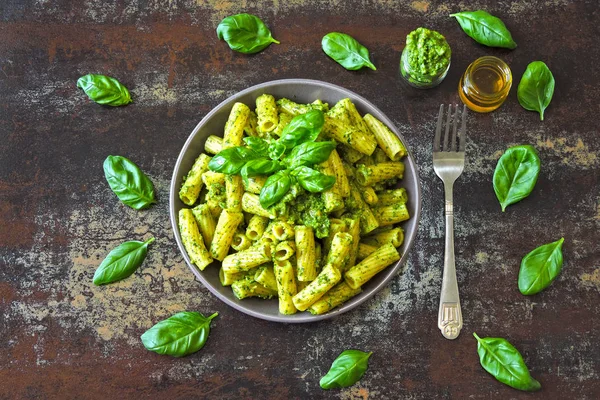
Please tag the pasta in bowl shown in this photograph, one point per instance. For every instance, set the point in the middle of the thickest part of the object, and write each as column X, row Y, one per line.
column 295, row 200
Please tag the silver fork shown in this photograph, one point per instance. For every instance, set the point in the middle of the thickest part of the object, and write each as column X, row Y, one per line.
column 448, row 164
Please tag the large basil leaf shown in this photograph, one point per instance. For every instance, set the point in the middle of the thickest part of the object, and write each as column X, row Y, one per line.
column 302, row 128
column 128, row 182
column 346, row 51
column 104, row 90
column 309, row 153
column 312, row 180
column 245, row 33
column 121, row 262
column 540, row 267
column 516, row 174
column 485, row 29
column 260, row 146
column 276, row 186
column 346, row 370
column 182, row 334
column 536, row 88
column 230, row 161
column 500, row 358
column 261, row 166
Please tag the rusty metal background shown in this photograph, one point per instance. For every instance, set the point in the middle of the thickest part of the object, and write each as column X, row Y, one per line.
column 62, row 337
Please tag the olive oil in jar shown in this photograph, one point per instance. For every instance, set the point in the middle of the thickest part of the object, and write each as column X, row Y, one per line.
column 485, row 84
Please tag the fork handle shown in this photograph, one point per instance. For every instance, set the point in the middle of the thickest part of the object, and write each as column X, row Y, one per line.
column 450, row 319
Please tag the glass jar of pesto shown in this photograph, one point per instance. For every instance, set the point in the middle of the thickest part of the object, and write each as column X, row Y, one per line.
column 425, row 60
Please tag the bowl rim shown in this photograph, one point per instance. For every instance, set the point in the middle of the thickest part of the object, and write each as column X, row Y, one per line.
column 305, row 317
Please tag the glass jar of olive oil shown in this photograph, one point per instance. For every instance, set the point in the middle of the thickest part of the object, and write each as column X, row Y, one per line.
column 485, row 84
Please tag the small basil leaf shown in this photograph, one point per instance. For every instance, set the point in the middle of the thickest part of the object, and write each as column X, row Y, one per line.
column 104, row 90
column 540, row 267
column 346, row 51
column 346, row 370
column 536, row 88
column 128, row 182
column 485, row 29
column 180, row 335
column 516, row 174
column 302, row 128
column 504, row 362
column 230, row 161
column 261, row 166
column 276, row 150
column 121, row 262
column 245, row 33
column 313, row 181
column 276, row 186
column 260, row 146
column 309, row 153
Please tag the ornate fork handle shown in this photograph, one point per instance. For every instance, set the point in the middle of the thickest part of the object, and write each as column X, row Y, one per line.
column 450, row 319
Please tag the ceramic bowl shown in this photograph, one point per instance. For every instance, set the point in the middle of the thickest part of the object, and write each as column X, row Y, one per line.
column 301, row 91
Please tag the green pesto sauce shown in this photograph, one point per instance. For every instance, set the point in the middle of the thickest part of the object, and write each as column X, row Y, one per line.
column 427, row 54
column 309, row 209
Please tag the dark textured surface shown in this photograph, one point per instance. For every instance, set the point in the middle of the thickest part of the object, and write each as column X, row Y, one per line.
column 62, row 337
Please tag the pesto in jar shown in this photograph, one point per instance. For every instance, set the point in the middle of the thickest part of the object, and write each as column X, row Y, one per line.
column 425, row 58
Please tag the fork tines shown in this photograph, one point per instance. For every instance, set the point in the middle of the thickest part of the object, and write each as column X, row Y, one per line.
column 450, row 143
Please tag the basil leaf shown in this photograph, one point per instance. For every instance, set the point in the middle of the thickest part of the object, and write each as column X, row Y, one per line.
column 485, row 29
column 516, row 174
column 536, row 88
column 500, row 358
column 540, row 267
column 180, row 335
column 346, row 51
column 312, row 180
column 245, row 33
column 276, row 186
column 230, row 161
column 346, row 370
column 104, row 90
column 261, row 166
column 257, row 144
column 309, row 153
column 276, row 150
column 302, row 128
column 128, row 182
column 121, row 262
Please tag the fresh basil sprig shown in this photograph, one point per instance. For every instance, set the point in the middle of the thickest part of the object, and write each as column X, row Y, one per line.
column 121, row 262
column 180, row 335
column 540, row 267
column 516, row 174
column 346, row 370
column 536, row 88
column 276, row 186
column 504, row 362
column 128, row 182
column 104, row 90
column 297, row 139
column 309, row 153
column 245, row 33
column 302, row 128
column 485, row 29
column 312, row 180
column 346, row 51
